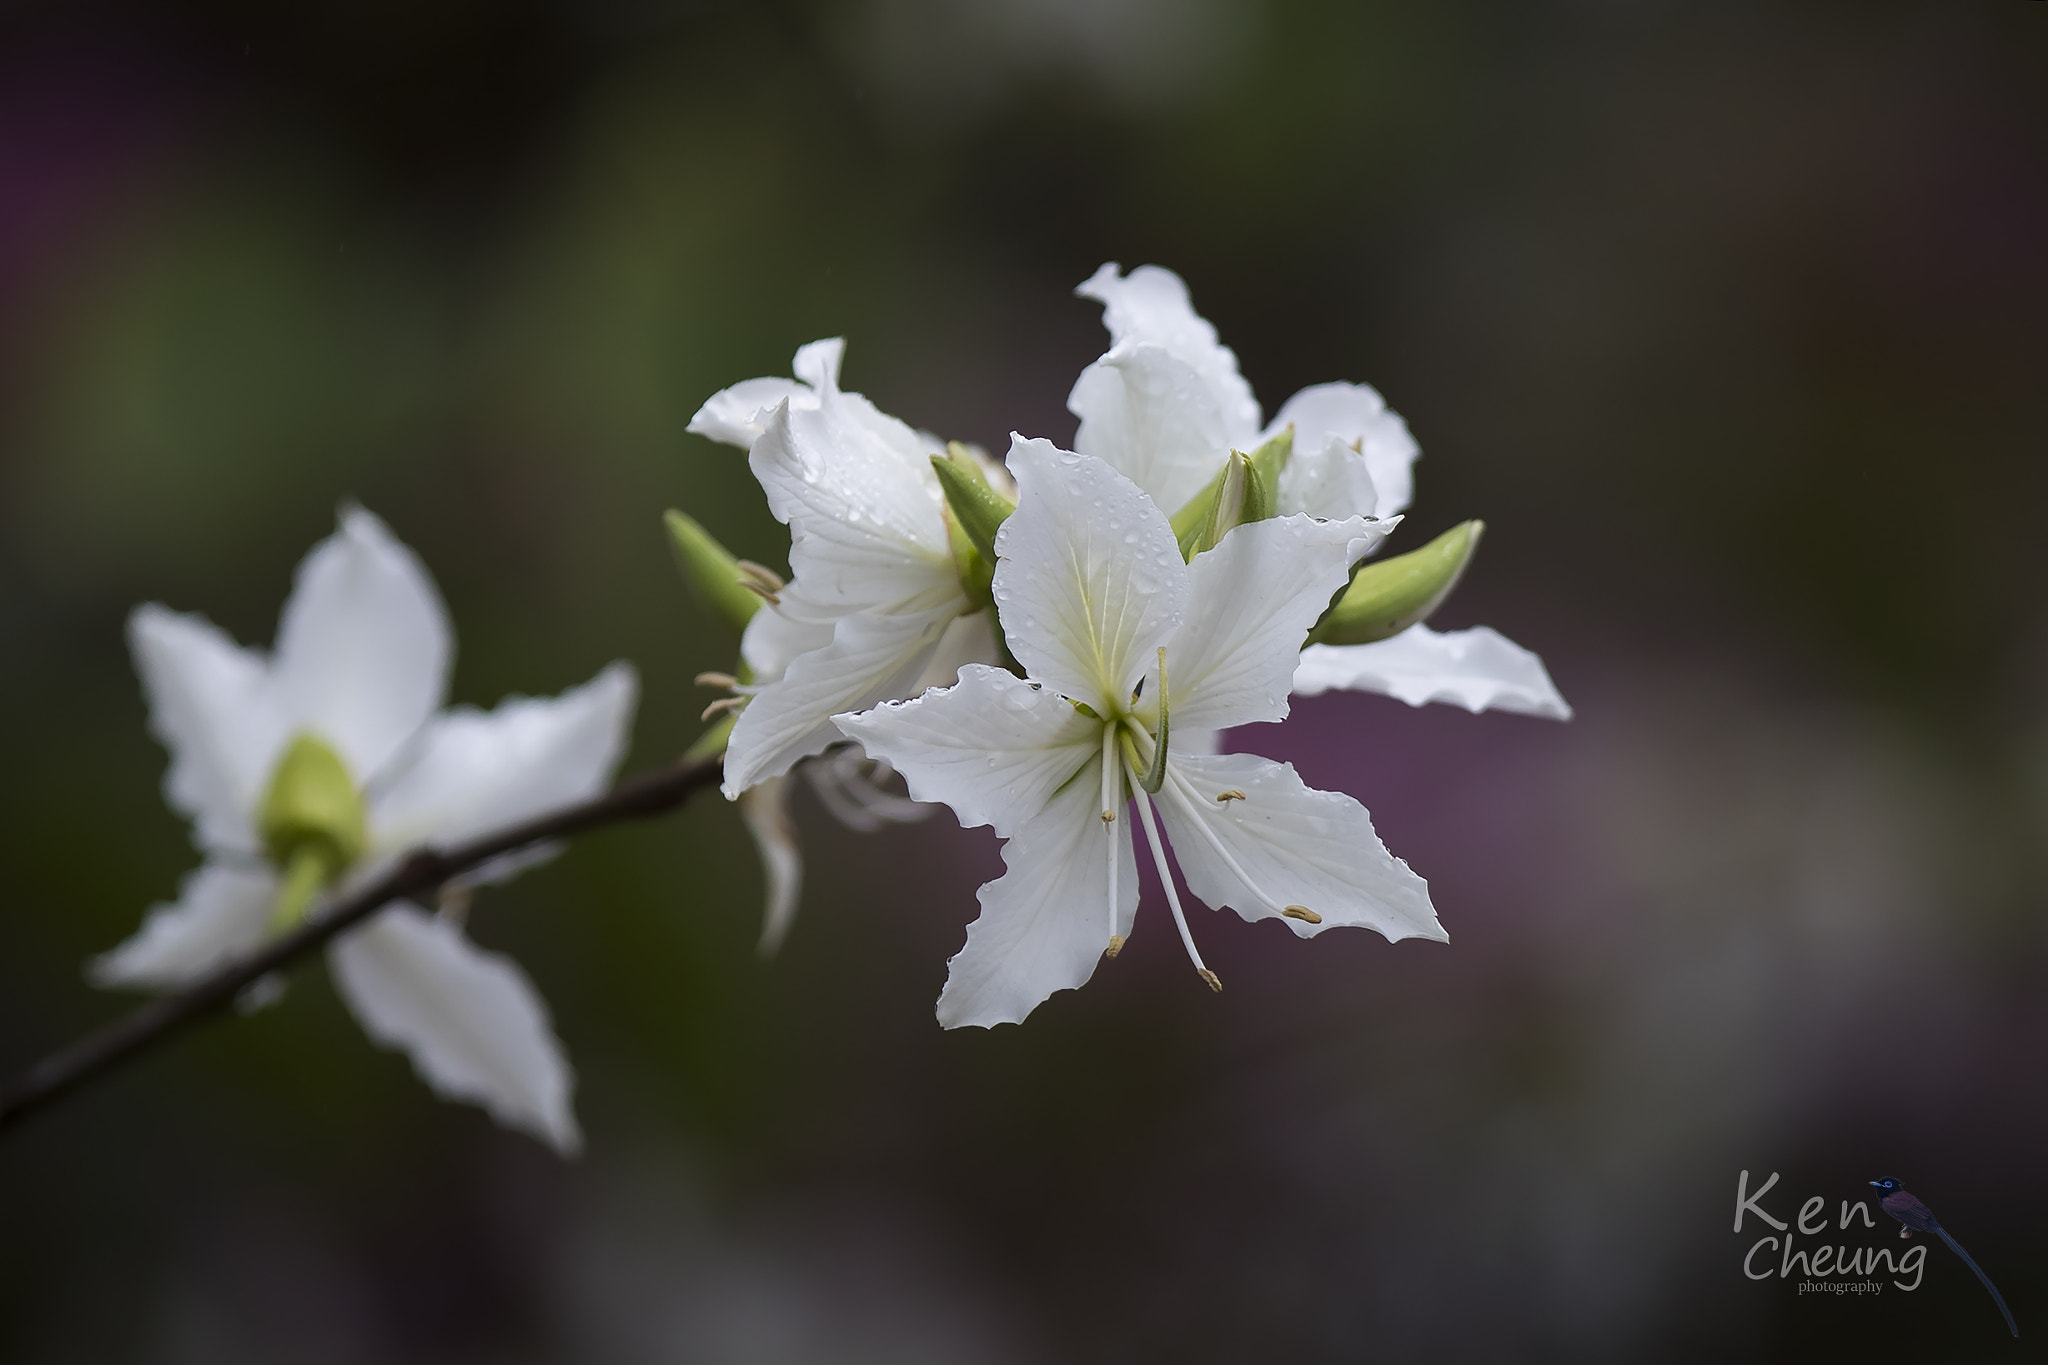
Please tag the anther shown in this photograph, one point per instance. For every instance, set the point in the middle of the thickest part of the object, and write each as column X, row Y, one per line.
column 1109, row 817
column 1232, row 795
column 1215, row 983
column 721, row 706
column 766, row 594
column 760, row 573
column 1116, row 945
column 1302, row 912
column 717, row 680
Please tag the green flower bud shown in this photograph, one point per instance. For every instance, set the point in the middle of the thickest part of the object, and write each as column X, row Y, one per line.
column 975, row 511
column 714, row 576
column 1242, row 491
column 1389, row 595
column 311, row 821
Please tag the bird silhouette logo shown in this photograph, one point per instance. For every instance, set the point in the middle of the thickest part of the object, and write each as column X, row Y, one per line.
column 1917, row 1217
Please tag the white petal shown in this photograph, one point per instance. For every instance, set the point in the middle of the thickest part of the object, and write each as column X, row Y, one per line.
column 1355, row 415
column 866, row 519
column 1251, row 603
column 473, row 770
column 1089, row 580
column 363, row 648
column 1300, row 846
column 764, row 809
column 471, row 1021
column 210, row 705
column 1479, row 669
column 1045, row 922
column 222, row 911
column 778, row 635
column 873, row 657
column 1146, row 413
column 968, row 640
column 734, row 415
column 1327, row 480
column 1150, row 306
column 817, row 364
column 993, row 747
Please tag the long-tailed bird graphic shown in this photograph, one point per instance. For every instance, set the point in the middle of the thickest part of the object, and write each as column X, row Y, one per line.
column 1917, row 1217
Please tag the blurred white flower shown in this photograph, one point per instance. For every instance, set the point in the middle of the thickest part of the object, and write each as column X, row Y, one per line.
column 1124, row 643
column 1165, row 406
column 317, row 765
column 876, row 591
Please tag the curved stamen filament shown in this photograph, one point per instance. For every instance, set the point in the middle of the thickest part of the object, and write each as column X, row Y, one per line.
column 1184, row 792
column 1112, row 781
column 1180, row 919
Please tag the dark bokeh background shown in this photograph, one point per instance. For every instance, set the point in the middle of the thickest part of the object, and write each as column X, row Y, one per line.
column 1732, row 320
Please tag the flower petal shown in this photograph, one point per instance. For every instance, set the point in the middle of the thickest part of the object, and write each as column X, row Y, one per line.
column 993, row 747
column 1353, row 415
column 222, row 911
column 1327, row 480
column 210, row 705
column 873, row 656
column 1150, row 306
column 1300, row 846
column 363, row 648
column 1478, row 669
column 968, row 640
column 779, row 634
column 733, row 415
column 1045, row 922
column 1251, row 603
column 1146, row 413
column 1089, row 580
column 471, row 1021
column 473, row 770
column 866, row 519
column 764, row 809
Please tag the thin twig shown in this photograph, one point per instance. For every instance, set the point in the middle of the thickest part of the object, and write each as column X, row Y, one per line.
column 417, row 876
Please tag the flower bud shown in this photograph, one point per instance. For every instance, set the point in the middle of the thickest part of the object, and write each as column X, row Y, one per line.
column 975, row 511
column 1243, row 490
column 311, row 821
column 1389, row 595
column 712, row 573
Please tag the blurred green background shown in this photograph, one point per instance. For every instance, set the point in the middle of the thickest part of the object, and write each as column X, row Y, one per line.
column 1732, row 320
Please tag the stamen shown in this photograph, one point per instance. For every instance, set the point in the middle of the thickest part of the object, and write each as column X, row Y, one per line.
column 721, row 706
column 1112, row 784
column 717, row 680
column 762, row 574
column 766, row 594
column 1232, row 795
column 1181, row 789
column 1180, row 919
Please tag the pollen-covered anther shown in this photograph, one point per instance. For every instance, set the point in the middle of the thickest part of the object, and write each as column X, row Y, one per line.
column 717, row 680
column 1116, row 945
column 1108, row 817
column 1215, row 982
column 1232, row 795
column 721, row 706
column 1302, row 912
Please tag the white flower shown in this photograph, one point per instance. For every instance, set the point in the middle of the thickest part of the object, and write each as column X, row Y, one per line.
column 351, row 695
column 875, row 587
column 1166, row 406
column 1099, row 607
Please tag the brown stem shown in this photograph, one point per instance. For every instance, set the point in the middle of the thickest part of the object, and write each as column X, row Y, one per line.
column 414, row 877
